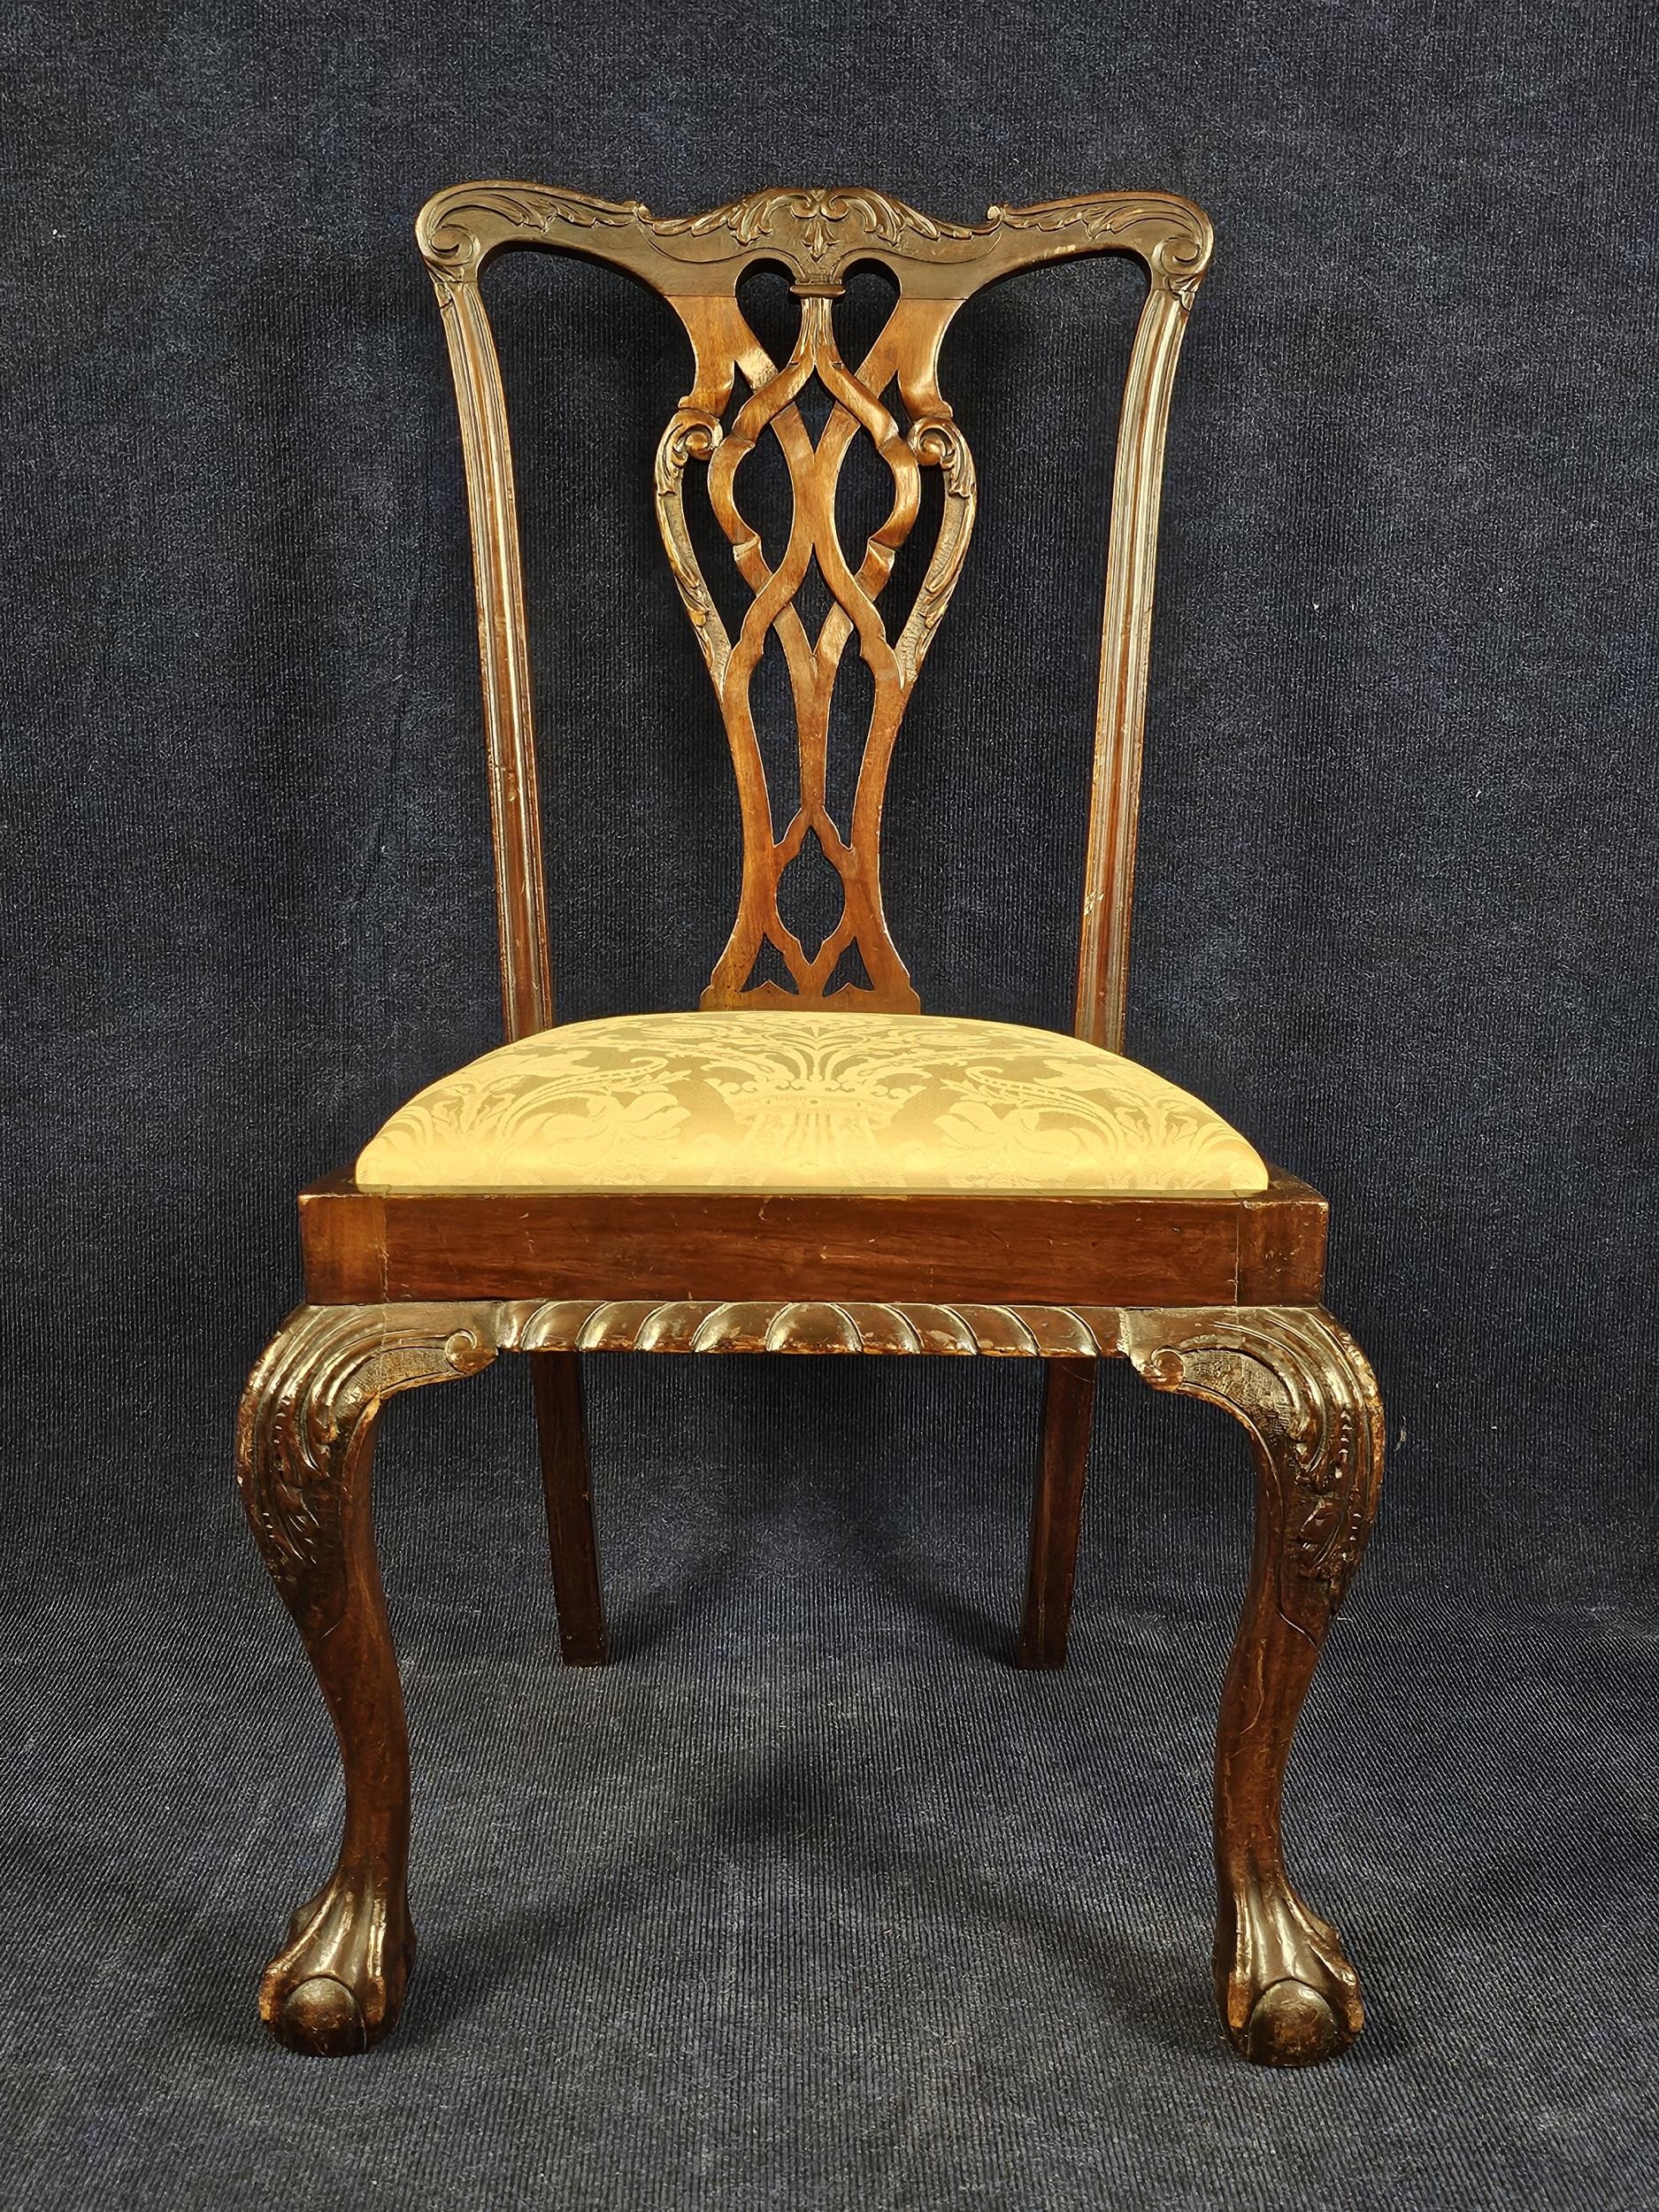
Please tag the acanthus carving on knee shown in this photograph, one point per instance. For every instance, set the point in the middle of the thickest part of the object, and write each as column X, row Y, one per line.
column 1305, row 1394
column 307, row 1412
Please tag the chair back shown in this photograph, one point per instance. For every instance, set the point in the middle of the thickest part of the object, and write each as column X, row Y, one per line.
column 814, row 406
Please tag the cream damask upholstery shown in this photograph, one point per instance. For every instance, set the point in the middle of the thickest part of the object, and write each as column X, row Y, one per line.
column 807, row 1101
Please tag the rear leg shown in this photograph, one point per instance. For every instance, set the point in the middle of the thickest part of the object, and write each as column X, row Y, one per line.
column 562, row 1428
column 1056, row 1512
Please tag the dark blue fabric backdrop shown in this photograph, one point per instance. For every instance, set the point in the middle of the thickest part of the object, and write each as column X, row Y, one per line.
column 811, row 1900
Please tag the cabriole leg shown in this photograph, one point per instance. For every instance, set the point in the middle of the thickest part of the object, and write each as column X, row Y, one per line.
column 305, row 1439
column 562, row 1431
column 1302, row 1389
column 1056, row 1512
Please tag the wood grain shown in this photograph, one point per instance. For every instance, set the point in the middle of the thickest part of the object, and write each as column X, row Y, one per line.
column 367, row 1247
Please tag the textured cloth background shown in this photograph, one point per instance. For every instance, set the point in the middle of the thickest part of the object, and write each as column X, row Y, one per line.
column 811, row 1900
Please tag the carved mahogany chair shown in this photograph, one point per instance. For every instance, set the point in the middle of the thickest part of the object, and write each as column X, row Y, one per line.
column 808, row 1163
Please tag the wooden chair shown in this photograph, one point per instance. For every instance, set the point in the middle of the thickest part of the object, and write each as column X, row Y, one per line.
column 808, row 1164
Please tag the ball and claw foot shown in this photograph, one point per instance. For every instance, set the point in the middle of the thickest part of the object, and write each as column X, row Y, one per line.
column 337, row 1986
column 1289, row 1995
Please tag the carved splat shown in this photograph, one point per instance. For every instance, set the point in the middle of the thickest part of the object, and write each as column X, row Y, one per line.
column 854, row 579
column 740, row 397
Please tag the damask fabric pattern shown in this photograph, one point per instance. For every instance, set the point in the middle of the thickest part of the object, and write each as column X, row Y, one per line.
column 806, row 1101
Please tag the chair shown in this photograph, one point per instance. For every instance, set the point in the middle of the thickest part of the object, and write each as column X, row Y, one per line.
column 808, row 1164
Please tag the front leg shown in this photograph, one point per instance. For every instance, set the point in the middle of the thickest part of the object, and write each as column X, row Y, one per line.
column 1302, row 1389
column 305, row 1439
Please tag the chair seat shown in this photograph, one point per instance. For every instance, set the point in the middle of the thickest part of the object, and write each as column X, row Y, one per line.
column 806, row 1101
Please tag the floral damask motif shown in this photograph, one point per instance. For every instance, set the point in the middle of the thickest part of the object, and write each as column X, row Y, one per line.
column 806, row 1101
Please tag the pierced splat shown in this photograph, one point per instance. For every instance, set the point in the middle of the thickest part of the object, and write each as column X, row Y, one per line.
column 853, row 578
column 742, row 397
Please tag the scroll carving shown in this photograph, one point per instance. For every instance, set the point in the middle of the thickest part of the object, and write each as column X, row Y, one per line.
column 819, row 232
column 459, row 229
column 690, row 436
column 1176, row 254
column 824, row 225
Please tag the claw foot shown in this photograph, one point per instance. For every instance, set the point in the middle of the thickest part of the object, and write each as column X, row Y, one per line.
column 1289, row 1995
column 337, row 1986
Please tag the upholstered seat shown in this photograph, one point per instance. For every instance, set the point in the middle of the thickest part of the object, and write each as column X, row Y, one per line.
column 806, row 1101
